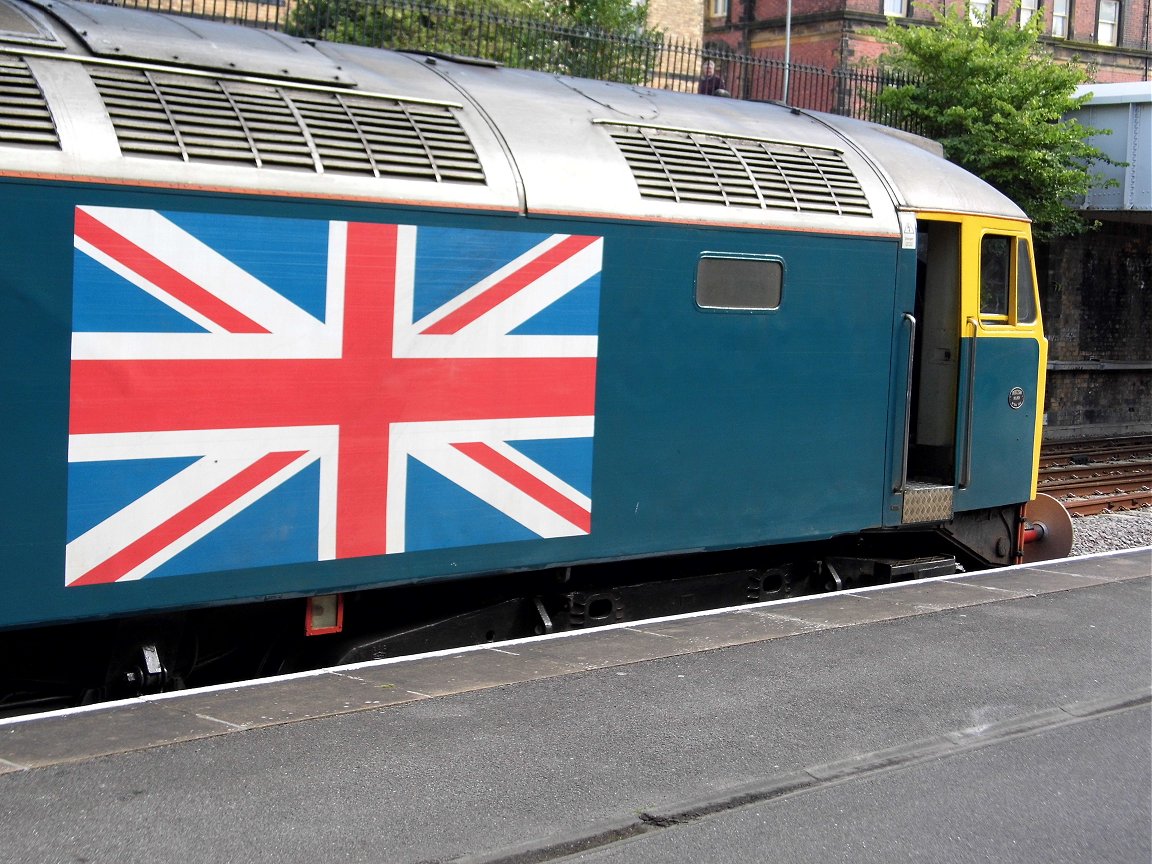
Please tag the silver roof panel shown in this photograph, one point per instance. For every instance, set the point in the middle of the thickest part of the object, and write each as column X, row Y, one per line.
column 192, row 103
column 921, row 179
column 402, row 134
column 560, row 134
column 126, row 34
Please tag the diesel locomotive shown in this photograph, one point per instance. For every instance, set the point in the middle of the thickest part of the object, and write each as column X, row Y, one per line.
column 313, row 351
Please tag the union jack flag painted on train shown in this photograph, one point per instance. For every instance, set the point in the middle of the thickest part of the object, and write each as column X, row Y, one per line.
column 251, row 391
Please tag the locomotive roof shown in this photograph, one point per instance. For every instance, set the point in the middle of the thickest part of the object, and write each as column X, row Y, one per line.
column 101, row 91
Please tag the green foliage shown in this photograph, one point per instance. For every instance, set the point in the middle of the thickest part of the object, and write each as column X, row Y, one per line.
column 990, row 94
column 589, row 38
column 605, row 39
column 364, row 22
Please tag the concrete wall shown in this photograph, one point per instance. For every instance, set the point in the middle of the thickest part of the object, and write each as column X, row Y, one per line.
column 1097, row 306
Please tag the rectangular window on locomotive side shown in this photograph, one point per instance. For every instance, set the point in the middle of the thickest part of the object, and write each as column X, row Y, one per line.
column 749, row 284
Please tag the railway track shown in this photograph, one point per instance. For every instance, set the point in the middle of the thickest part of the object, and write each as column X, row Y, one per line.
column 1098, row 476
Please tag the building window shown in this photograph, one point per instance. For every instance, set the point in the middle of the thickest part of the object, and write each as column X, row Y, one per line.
column 980, row 11
column 738, row 283
column 719, row 8
column 896, row 8
column 1028, row 8
column 1108, row 22
column 1060, row 18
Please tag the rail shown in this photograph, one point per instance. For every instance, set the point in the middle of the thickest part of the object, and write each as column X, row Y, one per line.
column 1098, row 476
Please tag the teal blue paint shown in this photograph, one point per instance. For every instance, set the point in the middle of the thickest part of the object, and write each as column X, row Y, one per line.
column 904, row 302
column 1002, row 437
column 713, row 429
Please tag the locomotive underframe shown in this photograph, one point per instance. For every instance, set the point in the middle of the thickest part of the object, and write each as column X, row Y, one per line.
column 135, row 656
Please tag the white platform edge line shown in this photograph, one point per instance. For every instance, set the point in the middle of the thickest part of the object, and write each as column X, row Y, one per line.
column 450, row 652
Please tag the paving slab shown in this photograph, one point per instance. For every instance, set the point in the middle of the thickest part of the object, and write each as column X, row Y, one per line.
column 571, row 739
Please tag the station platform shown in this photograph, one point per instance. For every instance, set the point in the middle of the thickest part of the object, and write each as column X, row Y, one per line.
column 997, row 716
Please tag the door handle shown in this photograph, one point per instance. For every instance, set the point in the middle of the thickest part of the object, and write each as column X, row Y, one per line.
column 910, row 320
column 966, row 468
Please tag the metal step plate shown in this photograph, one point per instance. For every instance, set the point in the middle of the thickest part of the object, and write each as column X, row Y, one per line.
column 926, row 502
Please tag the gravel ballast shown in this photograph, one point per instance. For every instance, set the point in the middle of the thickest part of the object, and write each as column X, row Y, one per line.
column 1111, row 532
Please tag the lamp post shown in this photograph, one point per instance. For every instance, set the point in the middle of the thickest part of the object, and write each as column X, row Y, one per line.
column 787, row 48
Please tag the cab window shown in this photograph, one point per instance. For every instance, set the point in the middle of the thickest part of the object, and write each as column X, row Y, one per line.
column 995, row 270
column 1025, row 290
column 1007, row 289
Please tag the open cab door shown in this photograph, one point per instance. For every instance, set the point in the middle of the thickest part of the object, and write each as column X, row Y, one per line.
column 973, row 392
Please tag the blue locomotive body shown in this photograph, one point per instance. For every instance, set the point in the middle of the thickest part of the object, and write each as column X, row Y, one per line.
column 711, row 426
column 510, row 323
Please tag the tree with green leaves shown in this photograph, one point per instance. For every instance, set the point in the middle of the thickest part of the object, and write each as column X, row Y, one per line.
column 590, row 38
column 997, row 101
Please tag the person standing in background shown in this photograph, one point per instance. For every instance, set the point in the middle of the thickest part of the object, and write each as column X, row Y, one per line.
column 710, row 82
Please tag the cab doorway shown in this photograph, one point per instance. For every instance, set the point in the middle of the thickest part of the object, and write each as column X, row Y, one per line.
column 936, row 355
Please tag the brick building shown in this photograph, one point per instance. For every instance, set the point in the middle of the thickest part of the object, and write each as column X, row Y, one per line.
column 679, row 19
column 1111, row 34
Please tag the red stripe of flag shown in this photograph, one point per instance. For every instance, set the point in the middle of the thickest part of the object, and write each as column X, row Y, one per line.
column 460, row 318
column 529, row 484
column 161, row 275
column 192, row 516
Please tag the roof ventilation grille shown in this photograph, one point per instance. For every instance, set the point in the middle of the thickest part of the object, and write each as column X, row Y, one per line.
column 24, row 115
column 200, row 119
column 703, row 168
